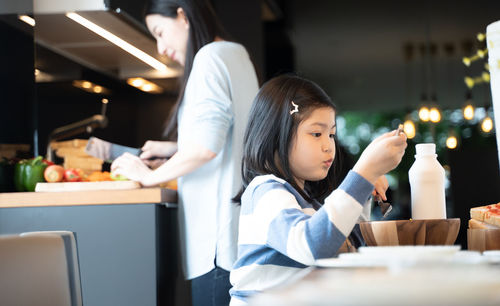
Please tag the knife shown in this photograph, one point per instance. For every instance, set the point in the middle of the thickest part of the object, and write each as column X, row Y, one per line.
column 106, row 150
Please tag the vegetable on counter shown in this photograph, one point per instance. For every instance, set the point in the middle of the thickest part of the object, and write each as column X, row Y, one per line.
column 73, row 175
column 29, row 172
column 54, row 173
column 99, row 176
column 118, row 177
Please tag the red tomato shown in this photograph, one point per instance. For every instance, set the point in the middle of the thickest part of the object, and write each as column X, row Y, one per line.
column 71, row 175
column 53, row 173
column 48, row 162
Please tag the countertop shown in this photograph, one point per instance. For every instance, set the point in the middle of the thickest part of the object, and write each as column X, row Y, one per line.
column 426, row 284
column 97, row 197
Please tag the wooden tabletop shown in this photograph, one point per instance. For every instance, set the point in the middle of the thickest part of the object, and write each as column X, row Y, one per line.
column 96, row 197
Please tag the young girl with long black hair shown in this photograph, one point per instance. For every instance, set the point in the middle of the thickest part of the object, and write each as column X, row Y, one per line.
column 290, row 214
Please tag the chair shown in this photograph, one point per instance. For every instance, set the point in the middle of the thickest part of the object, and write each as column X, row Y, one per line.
column 39, row 268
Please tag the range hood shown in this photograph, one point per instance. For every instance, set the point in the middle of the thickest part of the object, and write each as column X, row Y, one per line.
column 54, row 30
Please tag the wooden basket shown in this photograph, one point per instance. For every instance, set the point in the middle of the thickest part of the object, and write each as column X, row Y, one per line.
column 483, row 239
column 410, row 232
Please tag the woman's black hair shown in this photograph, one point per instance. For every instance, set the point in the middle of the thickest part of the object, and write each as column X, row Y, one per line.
column 271, row 129
column 204, row 27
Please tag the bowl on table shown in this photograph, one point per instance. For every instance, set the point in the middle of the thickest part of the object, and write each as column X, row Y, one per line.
column 410, row 232
column 483, row 239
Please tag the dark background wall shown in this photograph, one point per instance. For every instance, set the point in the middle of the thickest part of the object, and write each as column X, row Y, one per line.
column 18, row 112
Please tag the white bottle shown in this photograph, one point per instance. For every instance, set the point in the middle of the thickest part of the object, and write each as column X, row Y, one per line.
column 427, row 184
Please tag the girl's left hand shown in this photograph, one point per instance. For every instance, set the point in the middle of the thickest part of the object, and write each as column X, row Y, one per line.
column 130, row 166
column 381, row 186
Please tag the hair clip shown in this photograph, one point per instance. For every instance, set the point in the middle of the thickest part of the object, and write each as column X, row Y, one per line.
column 295, row 110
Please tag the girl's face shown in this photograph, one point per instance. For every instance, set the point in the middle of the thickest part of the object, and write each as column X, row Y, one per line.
column 312, row 150
column 171, row 34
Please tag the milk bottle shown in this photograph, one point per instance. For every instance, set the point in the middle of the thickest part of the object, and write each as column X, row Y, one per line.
column 427, row 184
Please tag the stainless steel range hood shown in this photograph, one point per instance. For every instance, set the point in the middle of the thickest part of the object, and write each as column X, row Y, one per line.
column 55, row 31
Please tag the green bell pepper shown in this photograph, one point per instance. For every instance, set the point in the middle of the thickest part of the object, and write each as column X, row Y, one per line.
column 29, row 172
column 19, row 175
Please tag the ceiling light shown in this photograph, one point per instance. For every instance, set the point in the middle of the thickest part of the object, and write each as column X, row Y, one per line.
column 144, row 85
column 91, row 87
column 29, row 20
column 137, row 82
column 146, row 58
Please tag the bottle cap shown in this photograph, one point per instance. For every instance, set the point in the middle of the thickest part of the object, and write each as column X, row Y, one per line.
column 425, row 149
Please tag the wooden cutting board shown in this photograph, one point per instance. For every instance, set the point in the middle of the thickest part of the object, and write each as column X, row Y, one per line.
column 79, row 186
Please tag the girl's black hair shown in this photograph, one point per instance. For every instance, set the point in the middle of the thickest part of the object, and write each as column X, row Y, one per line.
column 271, row 129
column 204, row 27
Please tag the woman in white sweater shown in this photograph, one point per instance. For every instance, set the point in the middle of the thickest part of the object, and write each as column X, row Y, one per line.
column 205, row 135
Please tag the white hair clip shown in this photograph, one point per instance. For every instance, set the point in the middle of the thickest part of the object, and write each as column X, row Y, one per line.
column 295, row 110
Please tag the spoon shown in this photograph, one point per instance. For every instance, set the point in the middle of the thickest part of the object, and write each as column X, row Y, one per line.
column 385, row 208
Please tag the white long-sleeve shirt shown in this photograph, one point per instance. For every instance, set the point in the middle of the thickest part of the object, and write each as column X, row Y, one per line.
column 214, row 113
column 280, row 233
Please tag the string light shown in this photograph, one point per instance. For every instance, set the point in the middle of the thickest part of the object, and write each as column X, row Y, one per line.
column 487, row 124
column 469, row 112
column 409, row 129
column 451, row 142
column 423, row 114
column 435, row 115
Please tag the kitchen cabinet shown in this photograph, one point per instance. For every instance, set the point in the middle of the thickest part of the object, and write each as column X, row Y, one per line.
column 126, row 239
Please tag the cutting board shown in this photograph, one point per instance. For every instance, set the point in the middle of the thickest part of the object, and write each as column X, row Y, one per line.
column 79, row 186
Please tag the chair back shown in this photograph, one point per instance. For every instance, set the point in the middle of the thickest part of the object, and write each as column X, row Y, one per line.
column 39, row 268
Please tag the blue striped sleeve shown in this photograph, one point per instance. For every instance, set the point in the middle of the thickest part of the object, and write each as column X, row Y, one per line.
column 357, row 187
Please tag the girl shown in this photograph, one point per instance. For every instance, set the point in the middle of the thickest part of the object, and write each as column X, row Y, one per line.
column 216, row 93
column 289, row 150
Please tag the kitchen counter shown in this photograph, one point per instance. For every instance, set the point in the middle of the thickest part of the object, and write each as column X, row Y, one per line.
column 127, row 240
column 96, row 197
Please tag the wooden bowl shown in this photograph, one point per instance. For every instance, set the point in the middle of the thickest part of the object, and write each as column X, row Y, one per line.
column 483, row 239
column 410, row 232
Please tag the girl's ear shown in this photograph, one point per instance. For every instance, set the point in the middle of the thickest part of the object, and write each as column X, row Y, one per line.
column 182, row 16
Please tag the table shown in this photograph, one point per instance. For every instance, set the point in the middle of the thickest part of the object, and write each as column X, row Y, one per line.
column 427, row 284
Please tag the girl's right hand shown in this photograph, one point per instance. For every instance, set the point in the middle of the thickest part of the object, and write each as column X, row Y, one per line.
column 382, row 155
column 161, row 149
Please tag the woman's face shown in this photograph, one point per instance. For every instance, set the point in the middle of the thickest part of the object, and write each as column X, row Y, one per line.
column 312, row 150
column 171, row 34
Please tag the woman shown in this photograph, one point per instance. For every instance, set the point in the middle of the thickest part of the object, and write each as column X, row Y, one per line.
column 217, row 89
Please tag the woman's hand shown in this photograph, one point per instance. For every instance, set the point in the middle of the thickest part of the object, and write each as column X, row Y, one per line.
column 131, row 167
column 162, row 149
column 381, row 156
column 381, row 185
